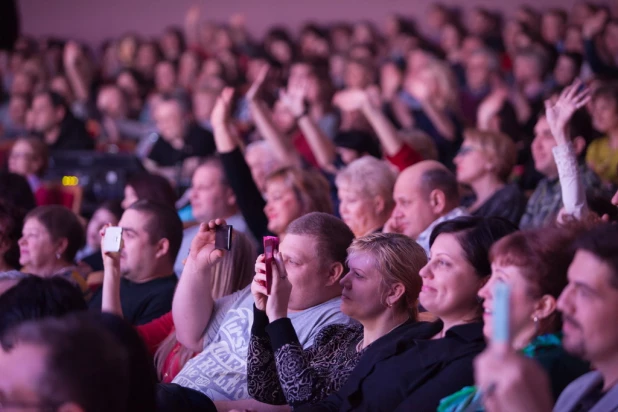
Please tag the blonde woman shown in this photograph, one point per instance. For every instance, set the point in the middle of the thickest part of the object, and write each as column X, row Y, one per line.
column 233, row 272
column 484, row 162
column 365, row 191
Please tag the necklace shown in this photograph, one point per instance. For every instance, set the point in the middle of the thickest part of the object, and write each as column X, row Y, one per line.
column 359, row 345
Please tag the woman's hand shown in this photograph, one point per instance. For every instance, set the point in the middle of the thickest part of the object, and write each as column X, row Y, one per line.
column 559, row 113
column 203, row 253
column 257, row 85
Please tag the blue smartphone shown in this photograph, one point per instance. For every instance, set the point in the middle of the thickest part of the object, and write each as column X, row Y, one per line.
column 501, row 314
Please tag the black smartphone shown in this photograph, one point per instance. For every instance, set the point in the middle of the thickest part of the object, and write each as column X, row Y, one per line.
column 223, row 237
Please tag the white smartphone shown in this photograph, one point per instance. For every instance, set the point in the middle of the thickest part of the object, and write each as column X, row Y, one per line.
column 112, row 241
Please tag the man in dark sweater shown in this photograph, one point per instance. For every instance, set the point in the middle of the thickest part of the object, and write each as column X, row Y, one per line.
column 151, row 234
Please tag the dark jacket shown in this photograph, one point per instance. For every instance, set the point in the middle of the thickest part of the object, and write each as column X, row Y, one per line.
column 410, row 373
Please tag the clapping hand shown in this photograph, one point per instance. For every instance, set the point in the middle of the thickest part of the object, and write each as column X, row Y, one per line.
column 559, row 113
column 221, row 113
column 257, row 85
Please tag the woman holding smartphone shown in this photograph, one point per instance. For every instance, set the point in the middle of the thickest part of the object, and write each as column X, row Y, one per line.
column 534, row 265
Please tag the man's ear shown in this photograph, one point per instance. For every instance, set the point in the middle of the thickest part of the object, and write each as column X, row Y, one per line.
column 163, row 247
column 335, row 272
column 437, row 201
column 580, row 145
column 378, row 205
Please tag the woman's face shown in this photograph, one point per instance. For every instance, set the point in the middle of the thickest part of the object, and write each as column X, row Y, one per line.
column 36, row 247
column 471, row 162
column 146, row 58
column 165, row 77
column 450, row 40
column 23, row 160
column 360, row 298
column 450, row 283
column 359, row 211
column 100, row 218
column 130, row 197
column 522, row 304
column 282, row 206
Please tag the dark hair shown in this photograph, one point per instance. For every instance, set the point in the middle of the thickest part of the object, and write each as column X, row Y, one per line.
column 333, row 236
column 576, row 58
column 580, row 125
column 35, row 298
column 602, row 242
column 11, row 224
column 142, row 376
column 543, row 257
column 163, row 223
column 81, row 361
column 475, row 235
column 112, row 206
column 56, row 99
column 61, row 222
column 40, row 149
column 153, row 187
column 443, row 180
column 15, row 191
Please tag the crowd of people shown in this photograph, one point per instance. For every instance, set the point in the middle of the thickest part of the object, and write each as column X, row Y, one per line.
column 406, row 173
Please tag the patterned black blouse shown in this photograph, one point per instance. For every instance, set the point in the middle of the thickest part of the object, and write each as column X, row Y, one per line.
column 280, row 371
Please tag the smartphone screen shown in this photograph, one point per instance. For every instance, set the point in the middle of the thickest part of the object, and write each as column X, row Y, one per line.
column 271, row 245
column 223, row 237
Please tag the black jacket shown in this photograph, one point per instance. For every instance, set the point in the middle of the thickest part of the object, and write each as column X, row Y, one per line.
column 410, row 374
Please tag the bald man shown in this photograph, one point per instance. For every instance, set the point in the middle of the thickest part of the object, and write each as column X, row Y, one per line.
column 425, row 194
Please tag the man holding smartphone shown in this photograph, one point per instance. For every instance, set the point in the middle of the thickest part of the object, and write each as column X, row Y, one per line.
column 151, row 235
column 314, row 251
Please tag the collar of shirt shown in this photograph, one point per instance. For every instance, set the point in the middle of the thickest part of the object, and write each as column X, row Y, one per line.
column 423, row 238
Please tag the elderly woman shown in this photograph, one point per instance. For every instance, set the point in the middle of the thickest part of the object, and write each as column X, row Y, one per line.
column 484, row 163
column 365, row 190
column 51, row 237
column 414, row 374
column 534, row 264
column 386, row 263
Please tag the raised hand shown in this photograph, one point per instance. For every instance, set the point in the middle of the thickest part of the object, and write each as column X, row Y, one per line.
column 559, row 113
column 193, row 15
column 281, row 288
column 257, row 85
column 222, row 111
column 351, row 100
column 294, row 99
column 111, row 260
column 594, row 24
column 203, row 253
column 258, row 286
column 72, row 53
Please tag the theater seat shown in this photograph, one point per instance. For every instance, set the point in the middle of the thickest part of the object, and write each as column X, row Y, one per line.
column 68, row 196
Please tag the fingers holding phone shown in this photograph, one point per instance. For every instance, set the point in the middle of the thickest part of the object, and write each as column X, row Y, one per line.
column 205, row 250
column 277, row 305
column 258, row 286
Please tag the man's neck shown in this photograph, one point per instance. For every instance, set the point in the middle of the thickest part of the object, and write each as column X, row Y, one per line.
column 609, row 371
column 148, row 277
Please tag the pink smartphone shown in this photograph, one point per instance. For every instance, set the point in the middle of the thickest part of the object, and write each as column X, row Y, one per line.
column 271, row 245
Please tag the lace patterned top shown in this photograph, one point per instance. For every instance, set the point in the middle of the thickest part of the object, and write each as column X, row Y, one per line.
column 280, row 371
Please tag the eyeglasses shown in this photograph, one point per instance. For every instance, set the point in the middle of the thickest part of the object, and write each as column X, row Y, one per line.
column 464, row 150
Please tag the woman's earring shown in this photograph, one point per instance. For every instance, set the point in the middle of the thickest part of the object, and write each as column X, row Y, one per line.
column 58, row 256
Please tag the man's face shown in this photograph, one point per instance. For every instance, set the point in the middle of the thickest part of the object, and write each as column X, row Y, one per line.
column 565, row 71
column 170, row 120
column 306, row 271
column 413, row 212
column 605, row 114
column 210, row 198
column 525, row 70
column 589, row 305
column 477, row 71
column 139, row 254
column 542, row 146
column 22, row 368
column 44, row 116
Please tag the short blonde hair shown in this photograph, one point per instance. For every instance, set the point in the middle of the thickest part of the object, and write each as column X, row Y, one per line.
column 447, row 94
column 498, row 146
column 369, row 177
column 399, row 259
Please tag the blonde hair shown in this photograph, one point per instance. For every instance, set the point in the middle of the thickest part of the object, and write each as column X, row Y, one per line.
column 370, row 177
column 311, row 188
column 499, row 148
column 231, row 273
column 399, row 259
column 446, row 96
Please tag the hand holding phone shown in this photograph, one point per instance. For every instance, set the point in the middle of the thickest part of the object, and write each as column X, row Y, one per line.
column 112, row 241
column 271, row 245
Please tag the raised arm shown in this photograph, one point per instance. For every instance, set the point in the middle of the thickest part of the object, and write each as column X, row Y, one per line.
column 558, row 116
column 283, row 148
column 72, row 58
column 192, row 20
column 294, row 99
column 111, row 302
column 193, row 303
